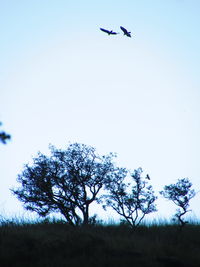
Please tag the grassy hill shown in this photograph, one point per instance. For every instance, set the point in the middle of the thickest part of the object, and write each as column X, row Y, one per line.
column 56, row 244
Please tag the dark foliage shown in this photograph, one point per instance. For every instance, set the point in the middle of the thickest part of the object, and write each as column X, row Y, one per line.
column 66, row 182
column 59, row 244
column 133, row 206
column 180, row 193
column 4, row 136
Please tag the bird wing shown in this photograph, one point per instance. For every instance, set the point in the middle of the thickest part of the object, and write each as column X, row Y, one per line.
column 123, row 29
column 111, row 32
column 104, row 30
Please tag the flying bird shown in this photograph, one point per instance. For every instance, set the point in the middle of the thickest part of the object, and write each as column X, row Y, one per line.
column 108, row 32
column 128, row 34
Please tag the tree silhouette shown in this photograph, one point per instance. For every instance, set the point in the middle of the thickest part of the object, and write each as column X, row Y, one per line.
column 180, row 193
column 133, row 200
column 68, row 182
column 4, row 136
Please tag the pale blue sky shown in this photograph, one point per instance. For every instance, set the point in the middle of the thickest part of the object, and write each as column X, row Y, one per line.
column 63, row 80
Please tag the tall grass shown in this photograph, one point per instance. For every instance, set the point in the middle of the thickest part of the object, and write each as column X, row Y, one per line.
column 49, row 243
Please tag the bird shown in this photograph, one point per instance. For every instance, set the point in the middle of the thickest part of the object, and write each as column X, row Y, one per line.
column 128, row 34
column 108, row 32
column 147, row 177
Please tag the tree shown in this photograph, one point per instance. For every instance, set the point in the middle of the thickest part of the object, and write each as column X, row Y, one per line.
column 132, row 202
column 4, row 136
column 68, row 182
column 180, row 193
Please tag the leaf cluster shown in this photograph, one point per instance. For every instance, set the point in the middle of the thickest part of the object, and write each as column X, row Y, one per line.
column 4, row 136
column 132, row 200
column 67, row 182
column 180, row 193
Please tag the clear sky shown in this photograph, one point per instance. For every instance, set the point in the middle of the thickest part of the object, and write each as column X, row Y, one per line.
column 63, row 80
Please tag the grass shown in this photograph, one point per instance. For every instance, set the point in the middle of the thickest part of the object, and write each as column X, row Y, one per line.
column 54, row 243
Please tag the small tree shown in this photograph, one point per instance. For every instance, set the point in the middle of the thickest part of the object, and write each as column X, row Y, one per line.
column 4, row 136
column 67, row 182
column 132, row 202
column 180, row 193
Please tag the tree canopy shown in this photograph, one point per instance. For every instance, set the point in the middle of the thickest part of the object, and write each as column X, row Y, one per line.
column 180, row 194
column 132, row 200
column 68, row 181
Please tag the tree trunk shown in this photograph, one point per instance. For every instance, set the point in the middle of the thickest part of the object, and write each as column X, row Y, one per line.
column 86, row 215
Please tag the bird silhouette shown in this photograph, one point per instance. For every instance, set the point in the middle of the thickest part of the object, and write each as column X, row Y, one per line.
column 128, row 34
column 147, row 177
column 108, row 32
